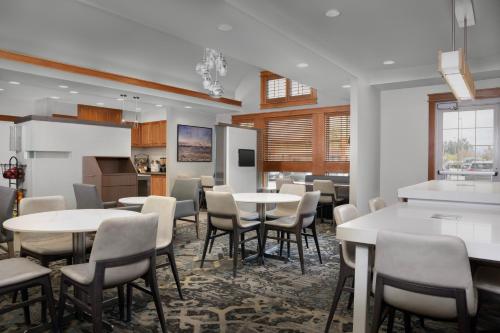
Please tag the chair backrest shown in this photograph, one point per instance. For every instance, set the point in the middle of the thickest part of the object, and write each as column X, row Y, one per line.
column 222, row 203
column 207, row 181
column 124, row 237
column 440, row 261
column 39, row 205
column 325, row 186
column 7, row 199
column 87, row 197
column 308, row 205
column 223, row 188
column 187, row 189
column 343, row 214
column 165, row 208
column 295, row 189
column 376, row 204
column 280, row 181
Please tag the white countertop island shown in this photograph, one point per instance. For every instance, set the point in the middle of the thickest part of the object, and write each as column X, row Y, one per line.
column 445, row 191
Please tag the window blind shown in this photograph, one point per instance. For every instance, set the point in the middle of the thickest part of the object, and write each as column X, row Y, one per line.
column 276, row 88
column 246, row 124
column 288, row 139
column 299, row 89
column 337, row 138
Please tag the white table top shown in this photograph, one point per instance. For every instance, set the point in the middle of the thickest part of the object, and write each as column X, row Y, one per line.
column 70, row 221
column 312, row 183
column 478, row 227
column 132, row 201
column 265, row 198
column 460, row 191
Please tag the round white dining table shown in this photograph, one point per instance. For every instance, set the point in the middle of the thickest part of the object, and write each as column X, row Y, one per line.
column 132, row 201
column 75, row 221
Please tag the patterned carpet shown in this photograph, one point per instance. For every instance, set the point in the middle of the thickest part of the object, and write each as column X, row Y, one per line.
column 270, row 298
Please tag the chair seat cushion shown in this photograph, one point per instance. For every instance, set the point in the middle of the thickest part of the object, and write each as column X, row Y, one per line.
column 227, row 224
column 488, row 279
column 57, row 244
column 184, row 208
column 282, row 222
column 18, row 270
column 248, row 216
column 83, row 273
column 277, row 213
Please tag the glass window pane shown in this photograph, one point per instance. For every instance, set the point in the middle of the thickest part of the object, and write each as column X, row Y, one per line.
column 467, row 119
column 484, row 153
column 450, row 120
column 485, row 118
column 485, row 136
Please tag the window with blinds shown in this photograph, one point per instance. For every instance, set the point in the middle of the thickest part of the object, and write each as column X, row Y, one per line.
column 276, row 88
column 288, row 139
column 337, row 138
column 246, row 124
column 299, row 89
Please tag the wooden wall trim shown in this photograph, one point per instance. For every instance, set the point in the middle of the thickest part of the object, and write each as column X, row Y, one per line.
column 4, row 117
column 290, row 113
column 65, row 116
column 32, row 60
column 446, row 97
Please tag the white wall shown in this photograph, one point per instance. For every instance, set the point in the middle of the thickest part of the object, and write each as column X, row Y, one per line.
column 404, row 136
column 16, row 107
column 5, row 154
column 241, row 179
column 365, row 144
column 189, row 169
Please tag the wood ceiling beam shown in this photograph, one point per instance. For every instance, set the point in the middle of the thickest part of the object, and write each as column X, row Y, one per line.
column 32, row 60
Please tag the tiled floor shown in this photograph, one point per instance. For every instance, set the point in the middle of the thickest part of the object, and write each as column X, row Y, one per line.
column 270, row 298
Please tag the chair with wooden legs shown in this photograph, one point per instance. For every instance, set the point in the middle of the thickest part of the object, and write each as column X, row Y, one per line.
column 223, row 215
column 343, row 214
column 304, row 217
column 187, row 194
column 124, row 250
column 207, row 184
column 427, row 276
column 328, row 195
column 7, row 199
column 21, row 274
column 376, row 204
column 165, row 208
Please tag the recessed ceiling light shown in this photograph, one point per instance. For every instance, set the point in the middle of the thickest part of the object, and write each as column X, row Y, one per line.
column 55, row 97
column 332, row 12
column 73, row 92
column 346, row 86
column 120, row 99
column 224, row 27
column 389, row 62
column 15, row 83
column 62, row 86
column 2, row 89
column 159, row 105
column 302, row 65
column 100, row 103
column 188, row 107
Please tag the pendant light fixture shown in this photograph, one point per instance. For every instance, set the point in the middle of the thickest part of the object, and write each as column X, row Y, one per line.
column 123, row 97
column 454, row 68
column 136, row 122
column 212, row 61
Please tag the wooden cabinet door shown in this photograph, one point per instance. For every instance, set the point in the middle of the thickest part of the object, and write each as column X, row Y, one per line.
column 146, row 134
column 159, row 185
column 136, row 136
column 94, row 113
column 163, row 133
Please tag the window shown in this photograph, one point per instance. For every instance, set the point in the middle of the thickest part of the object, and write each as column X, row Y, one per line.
column 278, row 92
column 337, row 137
column 466, row 141
column 288, row 139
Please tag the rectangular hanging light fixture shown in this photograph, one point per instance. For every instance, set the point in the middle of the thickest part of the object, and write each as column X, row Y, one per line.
column 455, row 71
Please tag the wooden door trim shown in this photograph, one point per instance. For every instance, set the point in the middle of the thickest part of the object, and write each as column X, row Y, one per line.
column 32, row 60
column 446, row 97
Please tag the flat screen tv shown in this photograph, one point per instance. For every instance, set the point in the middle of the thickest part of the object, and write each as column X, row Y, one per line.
column 246, row 157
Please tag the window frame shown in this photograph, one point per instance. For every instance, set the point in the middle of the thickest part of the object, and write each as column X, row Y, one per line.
column 288, row 100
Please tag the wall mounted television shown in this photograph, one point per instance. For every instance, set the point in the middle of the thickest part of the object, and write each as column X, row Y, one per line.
column 246, row 157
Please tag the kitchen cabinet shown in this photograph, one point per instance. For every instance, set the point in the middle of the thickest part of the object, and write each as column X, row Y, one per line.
column 159, row 185
column 150, row 134
column 94, row 113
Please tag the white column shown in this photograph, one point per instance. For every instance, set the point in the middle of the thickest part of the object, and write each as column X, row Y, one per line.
column 365, row 144
column 361, row 289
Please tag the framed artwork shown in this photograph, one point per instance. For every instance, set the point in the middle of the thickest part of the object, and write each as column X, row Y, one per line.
column 194, row 144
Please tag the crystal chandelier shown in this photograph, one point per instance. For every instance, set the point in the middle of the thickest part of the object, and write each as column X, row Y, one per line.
column 212, row 61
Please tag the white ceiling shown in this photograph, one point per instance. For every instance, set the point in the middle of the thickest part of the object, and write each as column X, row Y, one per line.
column 161, row 40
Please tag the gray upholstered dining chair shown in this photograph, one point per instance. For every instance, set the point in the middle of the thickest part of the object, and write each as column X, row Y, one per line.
column 165, row 208
column 7, row 199
column 244, row 214
column 428, row 276
column 207, row 183
column 347, row 252
column 303, row 218
column 282, row 180
column 187, row 193
column 46, row 247
column 376, row 204
column 288, row 208
column 87, row 197
column 223, row 215
column 20, row 275
column 328, row 195
column 124, row 250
